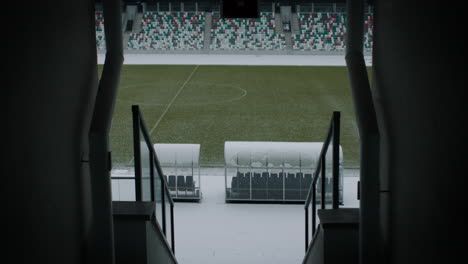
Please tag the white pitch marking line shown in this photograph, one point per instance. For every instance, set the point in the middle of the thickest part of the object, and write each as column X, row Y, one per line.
column 169, row 106
column 173, row 99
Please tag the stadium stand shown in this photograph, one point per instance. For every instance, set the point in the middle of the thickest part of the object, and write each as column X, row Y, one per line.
column 169, row 31
column 100, row 40
column 326, row 32
column 320, row 31
column 246, row 34
column 368, row 29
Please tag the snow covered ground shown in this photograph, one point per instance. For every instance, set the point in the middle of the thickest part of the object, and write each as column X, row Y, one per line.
column 213, row 232
column 225, row 59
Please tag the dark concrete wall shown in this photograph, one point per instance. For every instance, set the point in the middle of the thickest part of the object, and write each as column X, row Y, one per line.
column 138, row 238
column 51, row 85
column 157, row 247
column 315, row 254
column 417, row 90
column 140, row 242
column 130, row 241
column 337, row 239
column 341, row 244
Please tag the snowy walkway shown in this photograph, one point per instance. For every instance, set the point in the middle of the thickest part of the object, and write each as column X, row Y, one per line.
column 220, row 59
column 214, row 232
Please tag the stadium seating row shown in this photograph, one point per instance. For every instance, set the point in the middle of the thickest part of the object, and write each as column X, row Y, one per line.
column 169, row 31
column 100, row 41
column 326, row 32
column 182, row 186
column 246, row 34
column 270, row 186
column 185, row 31
column 368, row 31
column 320, row 31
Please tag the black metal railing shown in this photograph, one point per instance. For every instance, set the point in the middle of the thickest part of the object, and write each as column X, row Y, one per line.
column 150, row 184
column 321, row 194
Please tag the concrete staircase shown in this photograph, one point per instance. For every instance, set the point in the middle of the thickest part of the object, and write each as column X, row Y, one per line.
column 136, row 27
column 287, row 36
column 278, row 24
column 279, row 30
column 125, row 37
column 207, row 36
column 124, row 20
column 294, row 23
column 137, row 23
column 125, row 34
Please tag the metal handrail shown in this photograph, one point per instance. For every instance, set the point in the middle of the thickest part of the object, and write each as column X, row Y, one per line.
column 323, row 152
column 151, row 149
column 333, row 133
column 139, row 126
column 122, row 178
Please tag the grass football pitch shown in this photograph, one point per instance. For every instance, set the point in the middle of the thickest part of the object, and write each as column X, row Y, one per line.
column 209, row 105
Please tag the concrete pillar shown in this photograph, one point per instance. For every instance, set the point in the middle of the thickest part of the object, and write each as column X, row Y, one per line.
column 419, row 92
column 368, row 132
column 53, row 82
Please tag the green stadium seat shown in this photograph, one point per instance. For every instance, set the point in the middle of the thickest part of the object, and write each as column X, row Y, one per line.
column 99, row 26
column 169, row 31
column 326, row 32
column 246, row 34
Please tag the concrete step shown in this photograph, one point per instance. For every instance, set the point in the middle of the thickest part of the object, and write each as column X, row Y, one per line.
column 294, row 23
column 207, row 36
column 288, row 40
column 125, row 37
column 137, row 23
column 278, row 24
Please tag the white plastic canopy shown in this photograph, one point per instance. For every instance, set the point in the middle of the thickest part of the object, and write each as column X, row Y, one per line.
column 258, row 154
column 178, row 155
